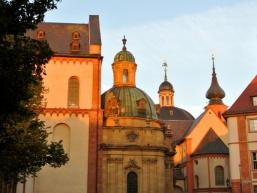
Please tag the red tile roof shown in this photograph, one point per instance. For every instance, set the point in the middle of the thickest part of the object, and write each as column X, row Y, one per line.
column 244, row 103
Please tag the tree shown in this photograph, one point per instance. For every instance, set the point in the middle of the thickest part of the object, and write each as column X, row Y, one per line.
column 24, row 148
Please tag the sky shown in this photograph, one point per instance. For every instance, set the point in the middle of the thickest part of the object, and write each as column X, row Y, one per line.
column 184, row 33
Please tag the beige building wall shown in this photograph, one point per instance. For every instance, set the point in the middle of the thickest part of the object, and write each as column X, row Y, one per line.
column 74, row 173
column 219, row 161
column 58, row 72
column 233, row 148
column 201, row 170
column 68, row 124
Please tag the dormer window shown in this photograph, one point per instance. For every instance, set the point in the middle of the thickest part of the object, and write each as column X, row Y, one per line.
column 75, row 46
column 254, row 99
column 40, row 34
column 141, row 107
column 75, row 35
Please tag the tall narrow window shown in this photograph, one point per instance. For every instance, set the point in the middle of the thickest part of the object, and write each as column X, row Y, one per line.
column 219, row 175
column 125, row 76
column 132, row 183
column 162, row 100
column 254, row 162
column 196, row 181
column 73, row 92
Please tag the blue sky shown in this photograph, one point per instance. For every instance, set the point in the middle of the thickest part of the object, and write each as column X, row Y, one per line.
column 184, row 33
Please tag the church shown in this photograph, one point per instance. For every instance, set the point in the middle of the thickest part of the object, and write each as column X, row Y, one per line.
column 120, row 141
column 115, row 141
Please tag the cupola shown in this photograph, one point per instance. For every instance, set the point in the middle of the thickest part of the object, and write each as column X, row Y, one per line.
column 124, row 67
column 166, row 91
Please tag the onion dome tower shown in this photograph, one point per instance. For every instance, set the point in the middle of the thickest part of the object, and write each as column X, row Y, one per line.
column 215, row 94
column 134, row 140
column 166, row 91
column 166, row 108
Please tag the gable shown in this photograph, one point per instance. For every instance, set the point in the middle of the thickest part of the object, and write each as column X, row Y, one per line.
column 206, row 121
column 244, row 103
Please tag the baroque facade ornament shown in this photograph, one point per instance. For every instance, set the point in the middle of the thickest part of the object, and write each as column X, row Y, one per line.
column 132, row 164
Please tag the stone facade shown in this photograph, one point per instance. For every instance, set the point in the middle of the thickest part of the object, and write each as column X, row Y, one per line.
column 136, row 148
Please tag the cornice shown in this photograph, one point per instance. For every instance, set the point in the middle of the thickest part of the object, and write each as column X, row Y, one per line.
column 67, row 111
column 164, row 149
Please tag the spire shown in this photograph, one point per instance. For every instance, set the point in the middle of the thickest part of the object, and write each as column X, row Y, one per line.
column 215, row 93
column 165, row 66
column 124, row 40
column 213, row 66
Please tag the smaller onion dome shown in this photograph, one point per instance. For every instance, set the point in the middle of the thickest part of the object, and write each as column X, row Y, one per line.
column 215, row 93
column 165, row 85
column 124, row 55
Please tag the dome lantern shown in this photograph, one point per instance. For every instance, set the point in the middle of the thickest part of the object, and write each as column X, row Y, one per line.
column 124, row 67
column 166, row 91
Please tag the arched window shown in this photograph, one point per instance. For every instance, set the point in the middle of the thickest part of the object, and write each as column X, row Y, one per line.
column 132, row 183
column 62, row 132
column 73, row 92
column 125, row 76
column 219, row 175
column 196, row 181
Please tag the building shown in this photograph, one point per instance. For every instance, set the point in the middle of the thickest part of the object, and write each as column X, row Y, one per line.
column 115, row 142
column 136, row 147
column 72, row 111
column 201, row 163
column 242, row 123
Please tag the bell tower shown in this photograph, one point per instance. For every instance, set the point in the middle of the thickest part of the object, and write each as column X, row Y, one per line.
column 215, row 94
column 166, row 91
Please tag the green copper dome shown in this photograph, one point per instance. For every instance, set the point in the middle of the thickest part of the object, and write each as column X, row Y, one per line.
column 124, row 55
column 128, row 102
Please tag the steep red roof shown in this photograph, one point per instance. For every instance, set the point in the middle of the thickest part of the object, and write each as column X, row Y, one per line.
column 244, row 103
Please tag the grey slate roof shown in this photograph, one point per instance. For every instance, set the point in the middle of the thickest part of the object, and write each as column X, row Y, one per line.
column 174, row 113
column 211, row 144
column 59, row 36
column 179, row 128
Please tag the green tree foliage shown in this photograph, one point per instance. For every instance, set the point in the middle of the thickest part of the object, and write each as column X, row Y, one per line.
column 24, row 148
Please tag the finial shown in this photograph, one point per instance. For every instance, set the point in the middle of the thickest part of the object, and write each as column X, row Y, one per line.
column 124, row 40
column 213, row 63
column 165, row 66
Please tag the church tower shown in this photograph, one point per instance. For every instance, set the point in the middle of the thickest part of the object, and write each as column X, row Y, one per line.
column 215, row 94
column 166, row 91
column 136, row 148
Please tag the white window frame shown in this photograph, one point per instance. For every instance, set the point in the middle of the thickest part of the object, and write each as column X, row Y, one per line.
column 252, row 125
column 254, row 99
